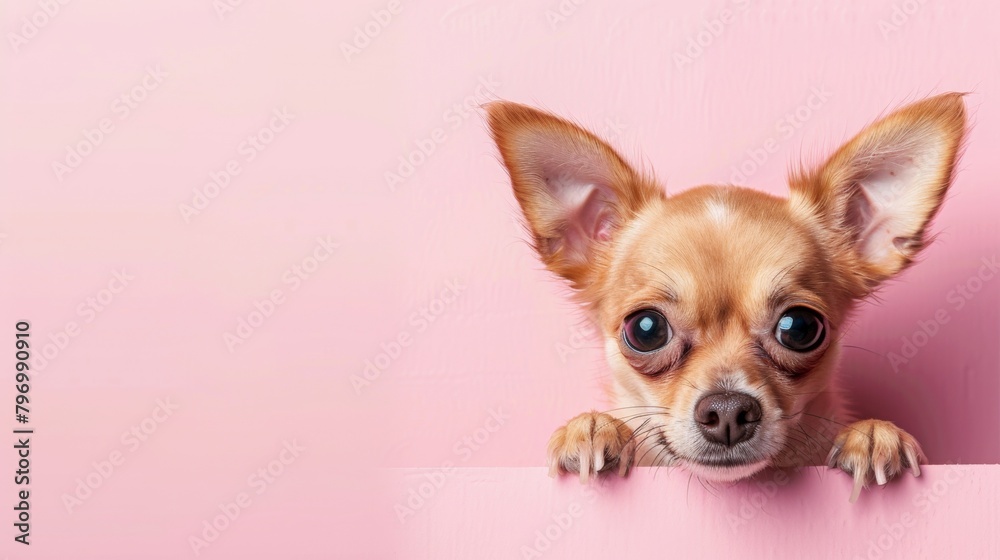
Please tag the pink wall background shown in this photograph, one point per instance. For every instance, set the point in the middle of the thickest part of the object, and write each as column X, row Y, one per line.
column 200, row 79
column 521, row 513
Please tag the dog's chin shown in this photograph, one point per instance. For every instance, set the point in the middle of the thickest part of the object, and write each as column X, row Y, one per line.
column 724, row 473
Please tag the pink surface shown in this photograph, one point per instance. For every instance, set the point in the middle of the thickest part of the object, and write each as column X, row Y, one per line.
column 253, row 314
column 520, row 513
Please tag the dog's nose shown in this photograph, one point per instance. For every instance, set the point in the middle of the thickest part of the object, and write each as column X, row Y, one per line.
column 727, row 418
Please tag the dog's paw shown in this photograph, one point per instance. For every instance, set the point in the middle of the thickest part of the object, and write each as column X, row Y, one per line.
column 874, row 449
column 591, row 443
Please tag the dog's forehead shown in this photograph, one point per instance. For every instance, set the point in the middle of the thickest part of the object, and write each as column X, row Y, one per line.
column 716, row 242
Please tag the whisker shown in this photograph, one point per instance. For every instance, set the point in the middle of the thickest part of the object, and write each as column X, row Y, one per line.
column 628, row 419
column 650, row 449
column 784, row 272
column 637, row 431
column 692, row 385
column 852, row 347
column 812, row 441
column 818, row 431
column 635, row 406
column 653, row 431
column 669, row 292
column 797, row 440
column 824, row 418
column 656, row 461
column 791, row 416
column 831, row 391
column 714, row 494
column 687, row 492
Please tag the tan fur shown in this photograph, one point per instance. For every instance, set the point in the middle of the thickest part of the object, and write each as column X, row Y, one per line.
column 722, row 264
column 518, row 131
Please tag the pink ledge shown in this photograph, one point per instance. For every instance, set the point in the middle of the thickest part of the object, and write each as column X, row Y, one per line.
column 951, row 511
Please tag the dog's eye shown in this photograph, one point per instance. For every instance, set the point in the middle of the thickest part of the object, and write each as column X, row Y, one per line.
column 800, row 329
column 646, row 331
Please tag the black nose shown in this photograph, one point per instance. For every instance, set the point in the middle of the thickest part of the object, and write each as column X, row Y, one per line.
column 727, row 418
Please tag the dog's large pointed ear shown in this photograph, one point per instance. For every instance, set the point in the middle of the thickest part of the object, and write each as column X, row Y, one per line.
column 879, row 191
column 575, row 191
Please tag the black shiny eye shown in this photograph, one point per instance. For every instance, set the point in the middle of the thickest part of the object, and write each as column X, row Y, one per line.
column 800, row 329
column 646, row 331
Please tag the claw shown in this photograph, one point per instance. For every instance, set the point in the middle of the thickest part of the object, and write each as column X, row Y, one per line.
column 626, row 458
column 874, row 449
column 859, row 483
column 911, row 457
column 590, row 444
column 584, row 467
column 831, row 459
column 880, row 474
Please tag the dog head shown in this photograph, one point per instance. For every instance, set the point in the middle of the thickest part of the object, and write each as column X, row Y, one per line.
column 721, row 307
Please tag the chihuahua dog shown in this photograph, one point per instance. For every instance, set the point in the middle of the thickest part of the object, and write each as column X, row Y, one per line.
column 721, row 308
